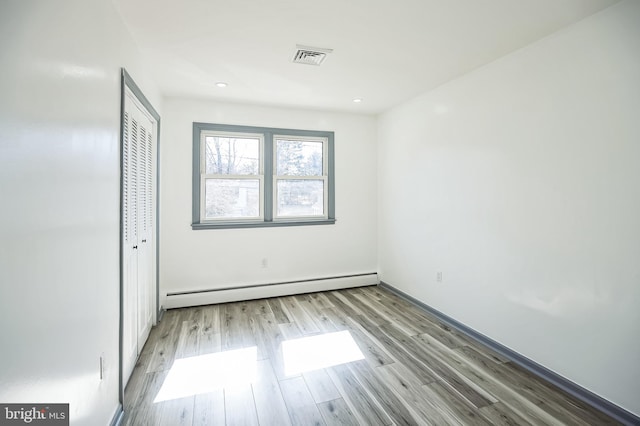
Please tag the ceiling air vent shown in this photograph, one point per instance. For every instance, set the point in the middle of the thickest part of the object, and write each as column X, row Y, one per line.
column 310, row 55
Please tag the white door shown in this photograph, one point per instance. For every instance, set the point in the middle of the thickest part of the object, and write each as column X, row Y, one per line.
column 138, row 217
column 146, row 212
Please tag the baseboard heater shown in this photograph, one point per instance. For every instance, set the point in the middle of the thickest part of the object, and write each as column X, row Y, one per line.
column 260, row 291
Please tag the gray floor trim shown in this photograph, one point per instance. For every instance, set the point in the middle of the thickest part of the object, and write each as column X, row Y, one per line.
column 117, row 417
column 620, row 414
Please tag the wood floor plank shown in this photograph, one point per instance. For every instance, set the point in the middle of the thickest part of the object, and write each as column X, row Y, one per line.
column 400, row 354
column 522, row 383
column 388, row 298
column 234, row 327
column 209, row 339
column 314, row 310
column 279, row 310
column 441, row 369
column 254, row 323
column 341, row 306
column 176, row 412
column 391, row 299
column 300, row 404
column 412, row 392
column 432, row 325
column 135, row 386
column 498, row 385
column 194, row 313
column 166, row 343
column 337, row 413
column 371, row 349
column 393, row 406
column 150, row 344
column 266, row 334
column 501, row 415
column 492, row 355
column 290, row 330
column 364, row 407
column 443, row 336
column 257, row 307
column 437, row 329
column 338, row 318
column 325, row 322
column 375, row 316
column 409, row 324
column 208, row 409
column 321, row 300
column 210, row 319
column 239, row 406
column 376, row 291
column 457, row 409
column 270, row 406
column 269, row 336
column 561, row 405
column 320, row 385
column 140, row 409
column 305, row 323
column 209, row 343
column 188, row 343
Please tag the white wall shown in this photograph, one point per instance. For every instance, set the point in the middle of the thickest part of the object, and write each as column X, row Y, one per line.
column 520, row 182
column 214, row 258
column 59, row 189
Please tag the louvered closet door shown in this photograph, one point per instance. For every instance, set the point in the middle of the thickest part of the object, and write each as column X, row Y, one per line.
column 146, row 267
column 129, row 241
column 138, row 220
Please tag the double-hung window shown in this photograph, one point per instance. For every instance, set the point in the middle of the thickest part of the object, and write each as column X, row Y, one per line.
column 256, row 176
column 232, row 177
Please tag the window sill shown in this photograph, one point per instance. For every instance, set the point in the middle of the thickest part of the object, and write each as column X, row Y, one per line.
column 247, row 224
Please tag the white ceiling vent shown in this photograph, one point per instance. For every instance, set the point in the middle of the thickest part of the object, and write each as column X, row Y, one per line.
column 310, row 55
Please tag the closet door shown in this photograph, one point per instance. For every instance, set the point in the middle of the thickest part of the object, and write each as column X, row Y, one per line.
column 138, row 229
column 129, row 240
column 146, row 211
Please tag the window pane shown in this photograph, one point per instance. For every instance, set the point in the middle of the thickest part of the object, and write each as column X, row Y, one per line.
column 298, row 158
column 231, row 156
column 300, row 198
column 232, row 198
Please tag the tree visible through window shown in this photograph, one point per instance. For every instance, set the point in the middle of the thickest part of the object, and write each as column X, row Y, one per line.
column 300, row 179
column 232, row 177
column 250, row 176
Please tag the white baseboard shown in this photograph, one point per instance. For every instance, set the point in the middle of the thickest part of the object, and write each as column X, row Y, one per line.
column 260, row 291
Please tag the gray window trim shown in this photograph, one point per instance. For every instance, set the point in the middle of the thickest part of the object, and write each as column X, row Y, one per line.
column 268, row 221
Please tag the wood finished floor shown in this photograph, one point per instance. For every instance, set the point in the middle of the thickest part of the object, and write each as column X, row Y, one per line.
column 415, row 371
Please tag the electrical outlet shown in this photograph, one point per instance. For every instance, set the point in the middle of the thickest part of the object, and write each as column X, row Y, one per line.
column 265, row 262
column 439, row 277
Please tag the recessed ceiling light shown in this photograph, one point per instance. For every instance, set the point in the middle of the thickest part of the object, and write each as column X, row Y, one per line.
column 221, row 84
column 357, row 100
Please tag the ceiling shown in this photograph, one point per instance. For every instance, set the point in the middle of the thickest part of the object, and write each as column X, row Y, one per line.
column 384, row 52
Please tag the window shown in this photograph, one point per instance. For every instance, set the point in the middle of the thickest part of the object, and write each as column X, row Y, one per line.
column 255, row 176
column 232, row 181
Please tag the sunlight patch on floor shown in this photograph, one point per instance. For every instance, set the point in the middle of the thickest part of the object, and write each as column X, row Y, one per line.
column 321, row 351
column 207, row 373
